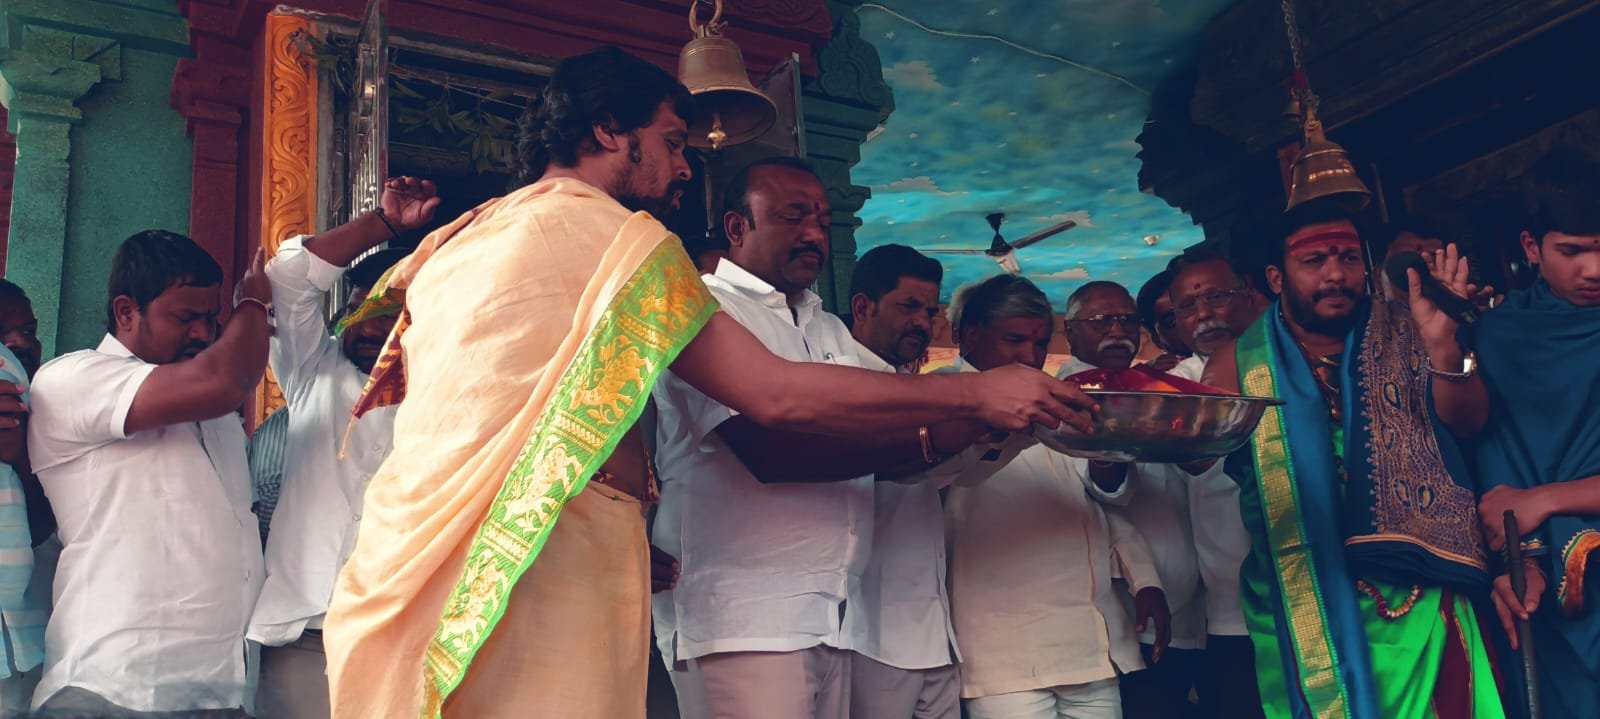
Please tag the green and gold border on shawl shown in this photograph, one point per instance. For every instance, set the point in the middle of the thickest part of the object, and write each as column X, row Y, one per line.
column 1314, row 653
column 600, row 395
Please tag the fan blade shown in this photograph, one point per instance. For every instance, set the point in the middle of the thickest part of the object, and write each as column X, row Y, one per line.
column 951, row 252
column 1041, row 234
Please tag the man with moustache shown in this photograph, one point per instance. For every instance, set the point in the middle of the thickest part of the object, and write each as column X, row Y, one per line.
column 1032, row 551
column 1213, row 306
column 1365, row 544
column 1103, row 332
column 906, row 655
column 1540, row 454
column 531, row 331
column 768, row 605
column 140, row 450
column 327, row 459
column 894, row 296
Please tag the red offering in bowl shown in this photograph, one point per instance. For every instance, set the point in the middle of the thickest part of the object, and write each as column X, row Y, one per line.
column 1140, row 379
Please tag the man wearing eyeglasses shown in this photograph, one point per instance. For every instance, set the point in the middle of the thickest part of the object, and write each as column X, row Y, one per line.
column 1102, row 327
column 1211, row 303
column 1212, row 306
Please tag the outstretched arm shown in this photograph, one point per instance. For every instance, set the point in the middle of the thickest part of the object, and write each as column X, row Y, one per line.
column 779, row 455
column 407, row 202
column 731, row 366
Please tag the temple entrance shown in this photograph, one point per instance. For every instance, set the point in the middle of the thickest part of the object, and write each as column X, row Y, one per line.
column 433, row 108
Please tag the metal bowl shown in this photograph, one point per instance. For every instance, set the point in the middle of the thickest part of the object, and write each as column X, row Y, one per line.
column 1160, row 427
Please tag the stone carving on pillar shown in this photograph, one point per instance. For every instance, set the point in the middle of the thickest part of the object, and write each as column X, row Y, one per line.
column 846, row 101
column 289, row 154
column 40, row 91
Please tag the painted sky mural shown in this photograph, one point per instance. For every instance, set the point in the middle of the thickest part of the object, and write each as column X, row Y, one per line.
column 1028, row 108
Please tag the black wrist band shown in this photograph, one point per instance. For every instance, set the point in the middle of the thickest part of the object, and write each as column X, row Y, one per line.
column 384, row 218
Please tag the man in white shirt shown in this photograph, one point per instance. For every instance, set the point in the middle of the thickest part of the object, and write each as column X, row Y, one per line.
column 327, row 461
column 1042, row 632
column 141, row 453
column 1213, row 307
column 906, row 654
column 1102, row 326
column 762, row 620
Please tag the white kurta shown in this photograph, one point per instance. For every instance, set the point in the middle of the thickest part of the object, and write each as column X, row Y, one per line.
column 1158, row 507
column 319, row 502
column 1221, row 541
column 162, row 557
column 763, row 567
column 904, row 589
column 1030, row 578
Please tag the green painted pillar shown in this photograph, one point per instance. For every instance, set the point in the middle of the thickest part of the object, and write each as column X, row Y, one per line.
column 39, row 93
column 100, row 152
column 846, row 101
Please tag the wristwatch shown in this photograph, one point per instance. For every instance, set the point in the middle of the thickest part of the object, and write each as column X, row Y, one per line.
column 1469, row 367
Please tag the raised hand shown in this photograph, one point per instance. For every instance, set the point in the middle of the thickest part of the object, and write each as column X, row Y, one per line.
column 1451, row 270
column 254, row 284
column 409, row 202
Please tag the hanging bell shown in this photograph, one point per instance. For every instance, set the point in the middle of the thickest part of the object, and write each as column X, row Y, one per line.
column 1322, row 171
column 731, row 110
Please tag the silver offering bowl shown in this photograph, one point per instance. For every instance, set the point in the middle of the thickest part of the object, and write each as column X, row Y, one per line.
column 1160, row 427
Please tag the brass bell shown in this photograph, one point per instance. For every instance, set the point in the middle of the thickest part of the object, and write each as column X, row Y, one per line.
column 731, row 110
column 1323, row 171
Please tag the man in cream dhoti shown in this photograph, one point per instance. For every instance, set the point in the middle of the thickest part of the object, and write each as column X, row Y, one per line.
column 532, row 331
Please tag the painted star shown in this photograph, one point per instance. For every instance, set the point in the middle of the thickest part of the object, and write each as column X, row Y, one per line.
column 975, row 59
column 889, row 35
column 913, row 135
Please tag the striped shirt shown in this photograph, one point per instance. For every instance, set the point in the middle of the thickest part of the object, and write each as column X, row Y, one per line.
column 266, row 465
column 23, row 621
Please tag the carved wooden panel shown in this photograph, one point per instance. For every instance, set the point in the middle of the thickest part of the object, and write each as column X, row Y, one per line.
column 289, row 153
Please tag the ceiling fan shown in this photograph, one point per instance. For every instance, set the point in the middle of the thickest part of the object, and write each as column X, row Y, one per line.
column 1005, row 253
